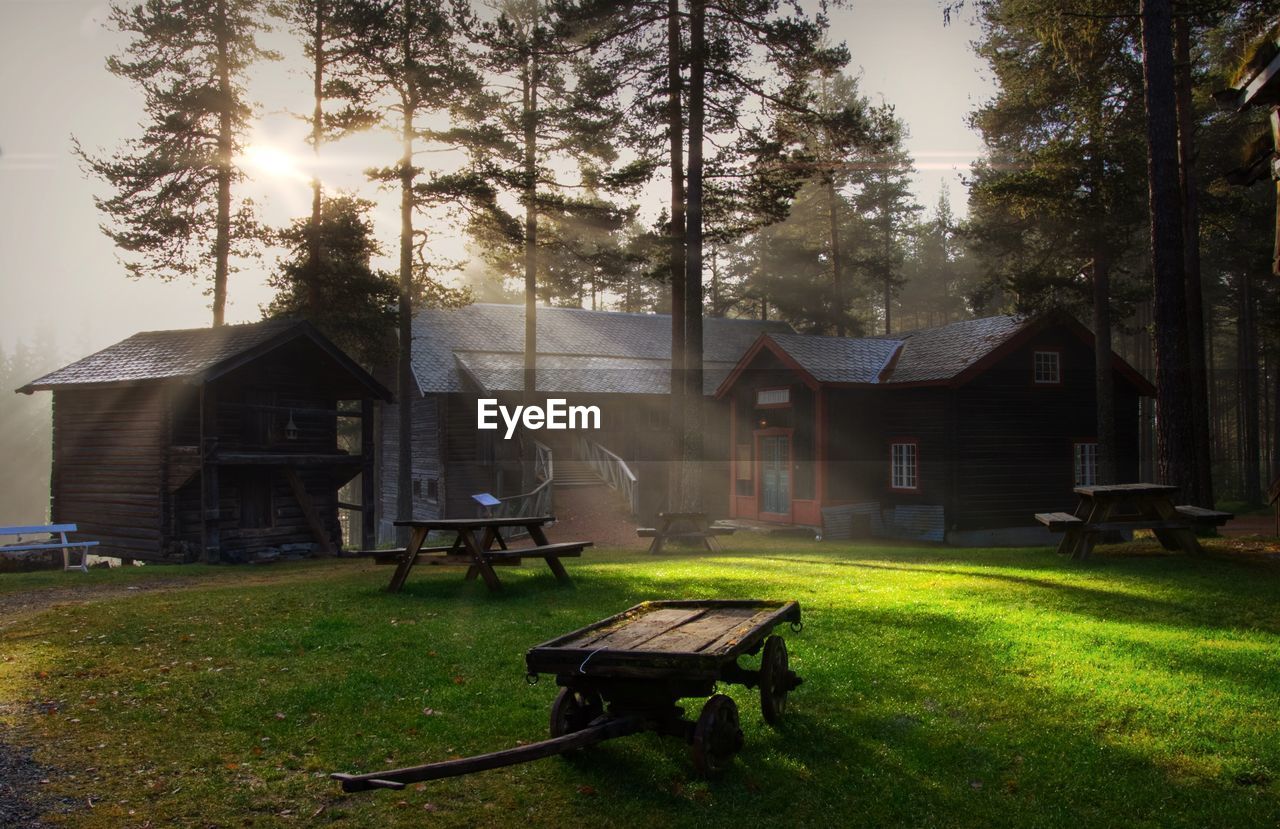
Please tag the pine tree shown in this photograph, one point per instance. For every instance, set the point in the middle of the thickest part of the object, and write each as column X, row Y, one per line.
column 173, row 212
column 356, row 304
column 324, row 27
column 1175, row 429
column 726, row 45
column 888, row 208
column 1055, row 207
column 412, row 54
column 547, row 110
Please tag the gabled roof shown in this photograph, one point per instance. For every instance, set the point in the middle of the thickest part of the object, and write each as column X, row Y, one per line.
column 579, row 351
column 839, row 359
column 195, row 355
column 948, row 355
column 945, row 352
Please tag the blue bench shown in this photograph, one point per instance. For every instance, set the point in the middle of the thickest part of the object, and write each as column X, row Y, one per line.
column 60, row 542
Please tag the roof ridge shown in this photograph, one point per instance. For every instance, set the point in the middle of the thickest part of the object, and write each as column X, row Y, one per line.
column 914, row 331
column 223, row 327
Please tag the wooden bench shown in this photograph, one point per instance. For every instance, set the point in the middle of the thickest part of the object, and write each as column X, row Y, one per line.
column 1206, row 517
column 60, row 530
column 569, row 549
column 1058, row 522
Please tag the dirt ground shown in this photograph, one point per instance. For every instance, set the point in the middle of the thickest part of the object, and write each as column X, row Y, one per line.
column 593, row 513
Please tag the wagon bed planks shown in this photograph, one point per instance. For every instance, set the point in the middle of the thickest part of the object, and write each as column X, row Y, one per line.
column 694, row 637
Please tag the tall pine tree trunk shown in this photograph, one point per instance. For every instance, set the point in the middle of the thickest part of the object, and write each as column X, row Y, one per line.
column 313, row 293
column 530, row 79
column 837, row 258
column 1274, row 471
column 1250, row 453
column 1203, row 496
column 222, row 226
column 405, row 386
column 675, row 128
column 691, row 483
column 888, row 272
column 1176, row 435
column 1104, row 378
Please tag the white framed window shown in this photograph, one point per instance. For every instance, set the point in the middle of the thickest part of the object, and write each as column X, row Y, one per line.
column 904, row 465
column 773, row 397
column 1086, row 464
column 1048, row 368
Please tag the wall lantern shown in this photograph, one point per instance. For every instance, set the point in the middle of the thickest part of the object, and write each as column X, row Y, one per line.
column 291, row 428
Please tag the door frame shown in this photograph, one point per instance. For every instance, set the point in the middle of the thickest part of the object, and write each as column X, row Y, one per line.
column 757, row 436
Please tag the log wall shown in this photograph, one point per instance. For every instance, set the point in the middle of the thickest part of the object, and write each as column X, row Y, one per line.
column 107, row 467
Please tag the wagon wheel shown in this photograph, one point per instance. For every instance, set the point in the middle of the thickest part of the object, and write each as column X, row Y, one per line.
column 573, row 711
column 716, row 736
column 776, row 680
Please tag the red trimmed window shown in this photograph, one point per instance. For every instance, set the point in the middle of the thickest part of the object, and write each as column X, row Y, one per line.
column 904, row 466
column 1047, row 368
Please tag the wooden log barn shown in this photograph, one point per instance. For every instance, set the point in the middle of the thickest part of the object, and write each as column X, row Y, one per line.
column 956, row 433
column 215, row 444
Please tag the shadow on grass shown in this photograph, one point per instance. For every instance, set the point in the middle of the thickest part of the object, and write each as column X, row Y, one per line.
column 957, row 740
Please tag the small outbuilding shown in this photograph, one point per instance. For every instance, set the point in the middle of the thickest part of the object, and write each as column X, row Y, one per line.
column 214, row 444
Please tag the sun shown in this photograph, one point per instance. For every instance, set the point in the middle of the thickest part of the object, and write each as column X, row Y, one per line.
column 267, row 161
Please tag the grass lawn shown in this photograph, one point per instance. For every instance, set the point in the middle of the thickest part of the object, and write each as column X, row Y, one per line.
column 942, row 688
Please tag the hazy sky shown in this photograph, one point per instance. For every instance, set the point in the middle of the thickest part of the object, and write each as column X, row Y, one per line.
column 59, row 273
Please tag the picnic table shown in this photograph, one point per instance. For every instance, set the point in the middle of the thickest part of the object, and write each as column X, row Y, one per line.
column 473, row 542
column 1120, row 507
column 694, row 525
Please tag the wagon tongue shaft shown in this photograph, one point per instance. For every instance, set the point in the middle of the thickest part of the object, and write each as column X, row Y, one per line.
column 398, row 778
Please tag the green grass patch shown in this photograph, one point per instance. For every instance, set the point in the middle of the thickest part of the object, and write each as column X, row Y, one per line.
column 942, row 688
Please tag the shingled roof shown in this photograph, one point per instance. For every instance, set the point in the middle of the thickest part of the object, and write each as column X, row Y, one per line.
column 839, row 359
column 579, row 351
column 191, row 354
column 945, row 352
column 939, row 355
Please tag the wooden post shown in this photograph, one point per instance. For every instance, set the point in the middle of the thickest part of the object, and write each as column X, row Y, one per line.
column 1275, row 174
column 210, row 507
column 368, row 475
column 309, row 510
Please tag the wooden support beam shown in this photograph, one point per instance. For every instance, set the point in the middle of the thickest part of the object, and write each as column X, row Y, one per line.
column 368, row 477
column 210, row 498
column 309, row 510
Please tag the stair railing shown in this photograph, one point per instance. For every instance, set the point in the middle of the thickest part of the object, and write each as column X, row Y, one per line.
column 536, row 501
column 612, row 469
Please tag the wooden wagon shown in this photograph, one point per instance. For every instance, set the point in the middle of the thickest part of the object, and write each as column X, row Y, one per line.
column 625, row 675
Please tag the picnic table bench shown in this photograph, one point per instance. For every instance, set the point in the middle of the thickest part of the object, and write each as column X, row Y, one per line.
column 477, row 553
column 693, row 525
column 61, row 542
column 1121, row 507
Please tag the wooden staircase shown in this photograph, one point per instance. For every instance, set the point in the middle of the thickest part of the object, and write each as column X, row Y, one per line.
column 571, row 472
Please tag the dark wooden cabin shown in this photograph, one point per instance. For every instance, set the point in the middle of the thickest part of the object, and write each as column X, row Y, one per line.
column 960, row 432
column 617, row 361
column 219, row 444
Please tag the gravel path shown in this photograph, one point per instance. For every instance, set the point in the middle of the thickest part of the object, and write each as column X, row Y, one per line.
column 16, row 603
column 20, row 778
